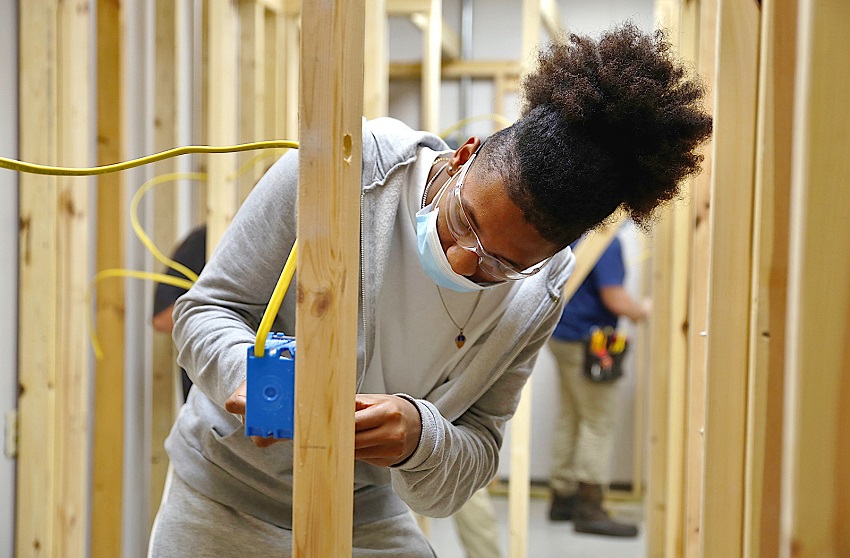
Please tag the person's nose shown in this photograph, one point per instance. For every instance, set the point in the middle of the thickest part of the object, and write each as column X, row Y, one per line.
column 463, row 261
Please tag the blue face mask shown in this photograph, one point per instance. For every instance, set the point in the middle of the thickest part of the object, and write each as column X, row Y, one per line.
column 431, row 255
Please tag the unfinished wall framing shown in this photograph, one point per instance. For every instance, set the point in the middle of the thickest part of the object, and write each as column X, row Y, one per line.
column 750, row 282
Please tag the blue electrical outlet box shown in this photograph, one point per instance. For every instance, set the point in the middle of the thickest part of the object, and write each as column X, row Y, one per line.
column 270, row 407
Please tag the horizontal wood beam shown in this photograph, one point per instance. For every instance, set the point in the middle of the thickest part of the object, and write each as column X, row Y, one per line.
column 457, row 69
column 408, row 7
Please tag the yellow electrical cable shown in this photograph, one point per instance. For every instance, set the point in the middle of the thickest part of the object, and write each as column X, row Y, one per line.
column 140, row 232
column 275, row 302
column 283, row 281
column 33, row 168
column 455, row 127
column 162, row 179
column 108, row 273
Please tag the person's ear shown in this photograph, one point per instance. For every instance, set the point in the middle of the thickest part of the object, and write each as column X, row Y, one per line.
column 462, row 154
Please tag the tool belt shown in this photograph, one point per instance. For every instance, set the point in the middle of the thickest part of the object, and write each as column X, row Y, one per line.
column 604, row 352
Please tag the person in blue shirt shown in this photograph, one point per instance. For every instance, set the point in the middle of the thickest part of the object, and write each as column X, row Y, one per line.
column 584, row 434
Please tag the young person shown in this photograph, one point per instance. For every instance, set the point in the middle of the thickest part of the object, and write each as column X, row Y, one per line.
column 464, row 256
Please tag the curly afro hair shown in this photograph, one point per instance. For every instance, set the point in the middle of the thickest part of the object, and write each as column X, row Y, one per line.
column 608, row 123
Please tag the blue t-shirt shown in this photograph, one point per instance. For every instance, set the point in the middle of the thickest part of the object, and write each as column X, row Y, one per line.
column 586, row 310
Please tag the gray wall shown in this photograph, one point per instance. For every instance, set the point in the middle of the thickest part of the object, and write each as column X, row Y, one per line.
column 8, row 258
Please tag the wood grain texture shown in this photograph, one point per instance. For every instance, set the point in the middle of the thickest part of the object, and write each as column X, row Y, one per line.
column 108, row 428
column 730, row 277
column 328, row 276
column 38, row 284
column 770, row 271
column 815, row 509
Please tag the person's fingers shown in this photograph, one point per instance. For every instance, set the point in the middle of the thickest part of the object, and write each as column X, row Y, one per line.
column 368, row 418
column 265, row 442
column 236, row 402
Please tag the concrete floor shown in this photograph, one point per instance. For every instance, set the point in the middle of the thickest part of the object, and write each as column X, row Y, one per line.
column 547, row 539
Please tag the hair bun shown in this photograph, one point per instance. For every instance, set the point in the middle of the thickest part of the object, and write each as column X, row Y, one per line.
column 628, row 95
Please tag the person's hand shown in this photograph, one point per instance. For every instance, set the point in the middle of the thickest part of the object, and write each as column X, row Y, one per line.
column 235, row 404
column 386, row 429
column 646, row 307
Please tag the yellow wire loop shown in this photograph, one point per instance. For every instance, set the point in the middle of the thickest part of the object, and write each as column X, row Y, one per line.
column 108, row 273
column 33, row 168
column 275, row 302
column 140, row 232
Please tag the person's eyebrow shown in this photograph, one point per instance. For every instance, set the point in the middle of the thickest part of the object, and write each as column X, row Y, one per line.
column 474, row 222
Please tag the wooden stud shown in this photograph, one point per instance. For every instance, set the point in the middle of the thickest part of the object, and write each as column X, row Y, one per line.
column 252, row 94
column 519, row 486
column 221, row 118
column 38, row 311
column 53, row 369
column 274, row 102
column 677, row 381
column 641, row 359
column 328, row 264
column 661, row 326
column 73, row 378
column 499, row 91
column 108, row 426
column 376, row 60
column 684, row 34
column 530, row 32
column 816, row 451
column 456, row 69
column 656, row 499
column 164, row 373
column 730, row 278
column 770, row 270
column 698, row 311
column 431, row 47
column 292, row 79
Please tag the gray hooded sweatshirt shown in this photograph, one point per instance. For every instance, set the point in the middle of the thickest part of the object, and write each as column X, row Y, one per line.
column 463, row 418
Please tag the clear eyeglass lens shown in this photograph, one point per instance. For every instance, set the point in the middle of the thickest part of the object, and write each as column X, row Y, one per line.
column 467, row 238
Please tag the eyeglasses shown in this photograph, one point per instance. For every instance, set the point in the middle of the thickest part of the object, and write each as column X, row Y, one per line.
column 466, row 237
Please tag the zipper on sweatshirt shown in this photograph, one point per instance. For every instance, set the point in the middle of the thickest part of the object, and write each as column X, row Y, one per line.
column 362, row 299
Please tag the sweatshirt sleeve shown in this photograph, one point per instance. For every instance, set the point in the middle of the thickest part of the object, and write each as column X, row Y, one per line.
column 455, row 459
column 215, row 322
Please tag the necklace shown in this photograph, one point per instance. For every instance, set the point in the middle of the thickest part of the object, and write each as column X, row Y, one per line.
column 460, row 339
column 433, row 179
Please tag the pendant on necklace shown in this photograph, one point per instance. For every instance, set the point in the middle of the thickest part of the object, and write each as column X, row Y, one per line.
column 460, row 340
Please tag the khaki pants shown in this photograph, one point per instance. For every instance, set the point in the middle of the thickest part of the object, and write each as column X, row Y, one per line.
column 584, row 435
column 476, row 526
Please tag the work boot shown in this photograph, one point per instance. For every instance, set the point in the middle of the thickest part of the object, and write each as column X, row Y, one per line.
column 590, row 517
column 562, row 507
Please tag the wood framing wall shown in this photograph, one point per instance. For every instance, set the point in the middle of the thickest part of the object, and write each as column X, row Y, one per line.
column 748, row 450
column 742, row 387
column 54, row 464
